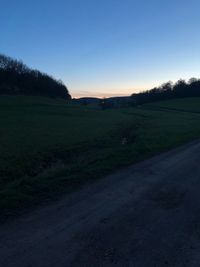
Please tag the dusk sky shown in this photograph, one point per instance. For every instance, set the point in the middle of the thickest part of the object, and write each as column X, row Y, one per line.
column 107, row 47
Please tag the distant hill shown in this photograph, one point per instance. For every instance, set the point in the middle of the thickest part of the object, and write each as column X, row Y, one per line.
column 87, row 100
column 119, row 101
column 18, row 79
column 167, row 91
column 110, row 102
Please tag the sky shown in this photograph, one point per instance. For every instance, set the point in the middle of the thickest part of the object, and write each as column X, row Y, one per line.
column 104, row 47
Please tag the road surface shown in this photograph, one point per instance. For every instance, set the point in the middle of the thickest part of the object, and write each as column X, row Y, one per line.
column 147, row 215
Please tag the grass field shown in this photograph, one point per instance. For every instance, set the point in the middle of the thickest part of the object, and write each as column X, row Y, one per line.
column 47, row 146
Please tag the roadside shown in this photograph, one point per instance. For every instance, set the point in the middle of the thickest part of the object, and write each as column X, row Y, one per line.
column 50, row 149
column 144, row 216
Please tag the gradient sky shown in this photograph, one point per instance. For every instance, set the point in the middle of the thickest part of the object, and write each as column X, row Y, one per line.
column 104, row 47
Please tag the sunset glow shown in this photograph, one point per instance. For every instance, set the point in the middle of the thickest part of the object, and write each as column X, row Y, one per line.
column 105, row 48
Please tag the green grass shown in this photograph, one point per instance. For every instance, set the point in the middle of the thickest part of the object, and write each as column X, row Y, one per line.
column 184, row 104
column 47, row 146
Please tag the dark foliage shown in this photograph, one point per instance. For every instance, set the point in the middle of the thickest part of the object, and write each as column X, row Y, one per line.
column 16, row 78
column 168, row 90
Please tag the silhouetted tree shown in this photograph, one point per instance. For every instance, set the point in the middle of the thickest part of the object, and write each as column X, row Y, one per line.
column 168, row 91
column 17, row 78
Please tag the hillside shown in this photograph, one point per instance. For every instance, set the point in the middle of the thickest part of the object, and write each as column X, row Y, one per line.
column 167, row 91
column 48, row 147
column 18, row 79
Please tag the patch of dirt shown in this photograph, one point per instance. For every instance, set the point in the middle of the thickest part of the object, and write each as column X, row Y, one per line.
column 167, row 198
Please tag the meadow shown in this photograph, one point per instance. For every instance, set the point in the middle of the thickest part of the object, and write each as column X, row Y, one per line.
column 49, row 147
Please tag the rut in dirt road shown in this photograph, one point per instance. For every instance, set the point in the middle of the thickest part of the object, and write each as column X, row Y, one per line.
column 146, row 215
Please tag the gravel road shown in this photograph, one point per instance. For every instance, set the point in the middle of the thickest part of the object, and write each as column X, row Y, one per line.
column 146, row 215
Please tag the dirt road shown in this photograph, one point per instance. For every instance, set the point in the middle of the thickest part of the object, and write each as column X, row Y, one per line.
column 147, row 215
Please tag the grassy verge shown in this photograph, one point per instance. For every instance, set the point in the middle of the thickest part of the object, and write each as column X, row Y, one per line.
column 48, row 147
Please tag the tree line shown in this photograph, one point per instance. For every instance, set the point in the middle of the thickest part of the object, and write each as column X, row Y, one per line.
column 18, row 79
column 167, row 91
